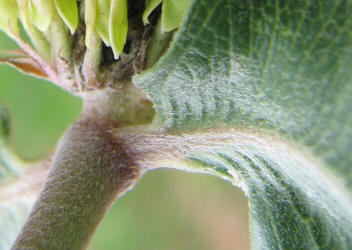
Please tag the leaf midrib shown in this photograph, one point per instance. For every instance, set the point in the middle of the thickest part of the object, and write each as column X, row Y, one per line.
column 157, row 146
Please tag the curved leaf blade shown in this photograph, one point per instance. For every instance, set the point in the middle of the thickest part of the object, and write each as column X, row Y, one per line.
column 281, row 67
column 262, row 66
column 292, row 204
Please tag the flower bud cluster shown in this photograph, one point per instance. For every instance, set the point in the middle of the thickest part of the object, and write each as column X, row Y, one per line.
column 69, row 36
column 109, row 18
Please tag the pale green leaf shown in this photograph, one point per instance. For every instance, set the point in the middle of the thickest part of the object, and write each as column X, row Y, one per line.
column 279, row 68
column 172, row 13
column 68, row 11
column 102, row 22
column 118, row 25
column 8, row 16
column 150, row 5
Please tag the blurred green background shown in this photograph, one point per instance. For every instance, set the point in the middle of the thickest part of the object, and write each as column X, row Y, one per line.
column 167, row 210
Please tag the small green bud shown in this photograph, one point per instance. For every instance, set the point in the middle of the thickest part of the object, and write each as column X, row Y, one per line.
column 40, row 13
column 74, row 64
column 38, row 39
column 8, row 16
column 68, row 11
column 118, row 25
column 102, row 21
column 90, row 12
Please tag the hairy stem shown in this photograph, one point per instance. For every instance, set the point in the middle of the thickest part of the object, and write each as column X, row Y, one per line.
column 88, row 171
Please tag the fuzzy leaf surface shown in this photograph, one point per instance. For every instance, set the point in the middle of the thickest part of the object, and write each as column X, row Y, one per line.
column 280, row 68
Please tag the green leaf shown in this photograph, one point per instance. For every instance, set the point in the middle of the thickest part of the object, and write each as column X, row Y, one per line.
column 277, row 68
column 172, row 13
column 8, row 16
column 118, row 25
column 68, row 11
column 292, row 205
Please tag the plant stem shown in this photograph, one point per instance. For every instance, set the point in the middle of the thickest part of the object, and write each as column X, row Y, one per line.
column 88, row 171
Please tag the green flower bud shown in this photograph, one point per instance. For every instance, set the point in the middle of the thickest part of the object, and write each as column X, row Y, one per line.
column 118, row 25
column 76, row 61
column 68, row 11
column 8, row 16
column 102, row 21
column 90, row 12
column 28, row 17
column 40, row 12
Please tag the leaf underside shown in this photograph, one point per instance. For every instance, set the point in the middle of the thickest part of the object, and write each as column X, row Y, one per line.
column 291, row 205
column 276, row 67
